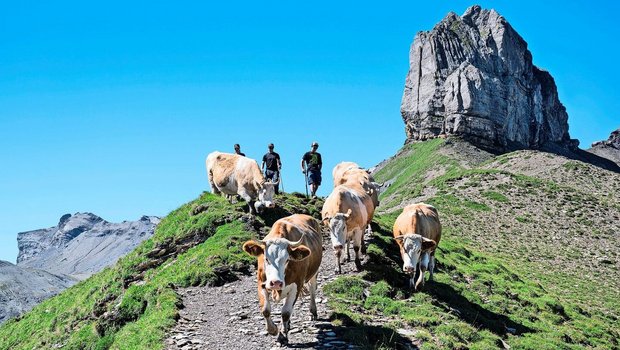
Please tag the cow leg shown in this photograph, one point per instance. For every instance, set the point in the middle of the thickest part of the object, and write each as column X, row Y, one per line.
column 246, row 197
column 265, row 307
column 287, row 309
column 420, row 282
column 357, row 244
column 338, row 256
column 346, row 246
column 312, row 285
column 431, row 266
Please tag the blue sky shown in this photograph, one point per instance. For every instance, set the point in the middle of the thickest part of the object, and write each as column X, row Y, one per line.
column 111, row 108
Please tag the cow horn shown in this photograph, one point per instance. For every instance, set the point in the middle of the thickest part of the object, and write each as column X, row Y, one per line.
column 298, row 243
column 276, row 183
column 399, row 238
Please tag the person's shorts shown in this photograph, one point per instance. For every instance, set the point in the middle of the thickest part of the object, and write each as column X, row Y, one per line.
column 271, row 175
column 314, row 177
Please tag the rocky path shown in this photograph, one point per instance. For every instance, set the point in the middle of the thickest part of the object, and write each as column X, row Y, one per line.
column 228, row 317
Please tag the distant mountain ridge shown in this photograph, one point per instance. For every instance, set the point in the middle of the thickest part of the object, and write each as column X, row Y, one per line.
column 81, row 244
column 609, row 148
column 22, row 288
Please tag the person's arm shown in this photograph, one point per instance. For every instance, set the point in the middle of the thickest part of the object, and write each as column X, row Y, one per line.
column 279, row 163
column 320, row 165
column 303, row 169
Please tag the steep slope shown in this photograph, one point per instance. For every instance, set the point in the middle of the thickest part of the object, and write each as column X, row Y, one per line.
column 23, row 288
column 133, row 303
column 526, row 262
column 473, row 76
column 529, row 253
column 81, row 244
column 610, row 148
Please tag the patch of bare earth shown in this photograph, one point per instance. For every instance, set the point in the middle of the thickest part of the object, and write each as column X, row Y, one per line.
column 228, row 317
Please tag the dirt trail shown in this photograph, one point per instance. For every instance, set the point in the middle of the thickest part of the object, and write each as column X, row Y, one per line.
column 228, row 317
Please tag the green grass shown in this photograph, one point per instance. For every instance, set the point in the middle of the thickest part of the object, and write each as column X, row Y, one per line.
column 131, row 305
column 475, row 302
column 480, row 299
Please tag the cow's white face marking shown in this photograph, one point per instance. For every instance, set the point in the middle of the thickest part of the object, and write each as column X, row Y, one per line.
column 338, row 230
column 265, row 196
column 415, row 246
column 276, row 258
column 412, row 245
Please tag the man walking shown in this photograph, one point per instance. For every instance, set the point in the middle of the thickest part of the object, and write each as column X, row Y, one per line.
column 311, row 164
column 238, row 150
column 272, row 160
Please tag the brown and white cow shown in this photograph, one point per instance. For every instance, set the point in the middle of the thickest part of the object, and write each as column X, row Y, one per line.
column 348, row 211
column 417, row 231
column 288, row 258
column 232, row 174
column 351, row 174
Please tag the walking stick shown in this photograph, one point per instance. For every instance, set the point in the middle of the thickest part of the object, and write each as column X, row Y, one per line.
column 280, row 179
column 306, row 176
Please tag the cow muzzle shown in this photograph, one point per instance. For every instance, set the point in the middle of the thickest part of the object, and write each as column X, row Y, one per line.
column 274, row 285
column 338, row 247
column 410, row 270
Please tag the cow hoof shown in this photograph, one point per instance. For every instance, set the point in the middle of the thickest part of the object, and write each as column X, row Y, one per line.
column 282, row 339
column 272, row 329
column 358, row 265
column 314, row 317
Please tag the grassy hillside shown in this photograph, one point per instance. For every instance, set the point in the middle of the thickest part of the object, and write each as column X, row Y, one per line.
column 528, row 259
column 131, row 305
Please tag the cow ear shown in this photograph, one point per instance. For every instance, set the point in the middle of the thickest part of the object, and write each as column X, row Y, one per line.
column 428, row 244
column 326, row 219
column 253, row 248
column 299, row 253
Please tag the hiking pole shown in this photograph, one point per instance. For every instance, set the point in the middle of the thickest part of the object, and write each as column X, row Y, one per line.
column 306, row 176
column 280, row 179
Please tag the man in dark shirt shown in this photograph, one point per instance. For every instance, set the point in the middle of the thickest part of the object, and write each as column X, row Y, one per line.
column 238, row 150
column 272, row 160
column 312, row 163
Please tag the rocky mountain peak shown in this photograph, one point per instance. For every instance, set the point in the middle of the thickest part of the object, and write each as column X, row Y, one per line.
column 81, row 244
column 472, row 75
column 610, row 148
column 613, row 140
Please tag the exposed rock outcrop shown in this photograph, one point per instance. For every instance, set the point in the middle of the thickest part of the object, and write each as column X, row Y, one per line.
column 23, row 288
column 609, row 148
column 473, row 76
column 81, row 244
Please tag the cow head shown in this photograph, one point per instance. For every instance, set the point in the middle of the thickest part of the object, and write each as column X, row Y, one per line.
column 276, row 253
column 266, row 191
column 337, row 228
column 412, row 246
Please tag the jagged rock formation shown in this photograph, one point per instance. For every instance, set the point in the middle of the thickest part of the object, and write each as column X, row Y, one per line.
column 609, row 148
column 473, row 76
column 81, row 244
column 23, row 288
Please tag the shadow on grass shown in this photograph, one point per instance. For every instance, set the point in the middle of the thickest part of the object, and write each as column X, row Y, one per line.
column 370, row 336
column 385, row 264
column 450, row 300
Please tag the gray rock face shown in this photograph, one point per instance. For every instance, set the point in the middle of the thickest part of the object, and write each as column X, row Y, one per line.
column 23, row 288
column 81, row 244
column 473, row 76
column 609, row 148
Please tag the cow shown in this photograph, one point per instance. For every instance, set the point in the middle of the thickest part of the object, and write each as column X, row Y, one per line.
column 417, row 231
column 340, row 169
column 347, row 211
column 232, row 174
column 349, row 173
column 288, row 259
